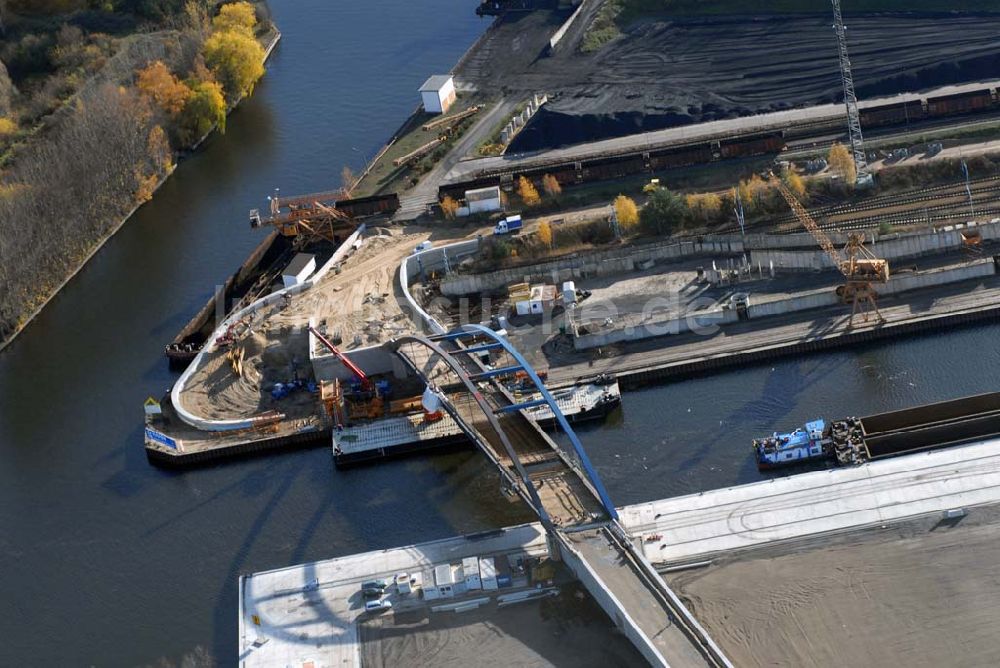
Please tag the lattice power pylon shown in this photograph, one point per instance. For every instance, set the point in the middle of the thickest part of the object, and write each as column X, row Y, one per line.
column 850, row 99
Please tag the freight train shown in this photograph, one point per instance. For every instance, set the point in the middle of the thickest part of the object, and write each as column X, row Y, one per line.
column 930, row 107
column 628, row 164
column 603, row 168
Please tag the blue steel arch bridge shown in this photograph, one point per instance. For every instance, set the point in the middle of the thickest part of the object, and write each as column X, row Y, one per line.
column 466, row 368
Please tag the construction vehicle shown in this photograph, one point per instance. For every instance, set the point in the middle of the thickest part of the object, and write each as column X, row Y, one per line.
column 306, row 217
column 857, row 263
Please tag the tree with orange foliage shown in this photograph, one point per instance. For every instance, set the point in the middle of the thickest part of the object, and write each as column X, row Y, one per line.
column 157, row 83
column 449, row 207
column 545, row 233
column 551, row 185
column 527, row 192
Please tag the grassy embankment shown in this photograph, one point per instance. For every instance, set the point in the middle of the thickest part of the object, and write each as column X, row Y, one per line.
column 97, row 106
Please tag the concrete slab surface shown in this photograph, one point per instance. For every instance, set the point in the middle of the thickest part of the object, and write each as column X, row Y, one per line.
column 692, row 526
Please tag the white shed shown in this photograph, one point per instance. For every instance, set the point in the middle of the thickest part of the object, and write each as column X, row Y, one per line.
column 299, row 269
column 483, row 200
column 438, row 93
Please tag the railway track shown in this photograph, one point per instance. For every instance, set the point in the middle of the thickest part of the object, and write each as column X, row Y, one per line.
column 896, row 209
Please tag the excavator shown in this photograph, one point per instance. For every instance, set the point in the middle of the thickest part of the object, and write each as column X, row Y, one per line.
column 859, row 265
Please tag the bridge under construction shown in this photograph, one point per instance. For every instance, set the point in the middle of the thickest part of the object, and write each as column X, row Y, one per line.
column 559, row 483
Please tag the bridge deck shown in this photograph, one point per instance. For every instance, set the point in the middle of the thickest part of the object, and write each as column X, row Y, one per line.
column 627, row 581
column 577, row 515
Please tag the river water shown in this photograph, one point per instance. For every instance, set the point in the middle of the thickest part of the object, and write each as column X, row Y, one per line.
column 107, row 561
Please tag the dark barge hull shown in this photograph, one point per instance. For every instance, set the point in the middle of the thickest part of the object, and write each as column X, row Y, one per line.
column 932, row 426
column 274, row 249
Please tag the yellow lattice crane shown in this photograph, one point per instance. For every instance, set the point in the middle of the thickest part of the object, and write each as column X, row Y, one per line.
column 857, row 263
column 306, row 217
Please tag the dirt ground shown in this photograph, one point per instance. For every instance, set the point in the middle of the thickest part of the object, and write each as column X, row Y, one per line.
column 364, row 292
column 568, row 630
column 922, row 594
column 662, row 73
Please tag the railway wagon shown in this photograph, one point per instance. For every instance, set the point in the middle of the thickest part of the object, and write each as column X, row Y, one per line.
column 682, row 157
column 892, row 114
column 369, row 206
column 750, row 146
column 960, row 103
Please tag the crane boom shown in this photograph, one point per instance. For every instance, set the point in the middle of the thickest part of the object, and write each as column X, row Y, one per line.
column 850, row 99
column 810, row 224
column 352, row 367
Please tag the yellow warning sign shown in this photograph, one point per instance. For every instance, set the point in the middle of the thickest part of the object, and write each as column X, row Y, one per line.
column 150, row 401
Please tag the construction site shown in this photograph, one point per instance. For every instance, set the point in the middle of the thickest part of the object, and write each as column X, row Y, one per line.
column 439, row 312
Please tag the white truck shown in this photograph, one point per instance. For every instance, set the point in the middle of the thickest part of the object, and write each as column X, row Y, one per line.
column 509, row 225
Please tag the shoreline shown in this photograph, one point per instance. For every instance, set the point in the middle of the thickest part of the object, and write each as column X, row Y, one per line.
column 103, row 240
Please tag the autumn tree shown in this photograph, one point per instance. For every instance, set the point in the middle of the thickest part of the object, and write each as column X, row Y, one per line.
column 527, row 192
column 796, row 184
column 449, row 207
column 236, row 17
column 842, row 163
column 157, row 83
column 237, row 62
column 545, row 233
column 626, row 212
column 551, row 185
column 705, row 206
column 205, row 109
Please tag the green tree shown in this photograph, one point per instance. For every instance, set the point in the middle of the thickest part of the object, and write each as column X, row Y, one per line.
column 663, row 214
column 238, row 17
column 236, row 61
column 204, row 109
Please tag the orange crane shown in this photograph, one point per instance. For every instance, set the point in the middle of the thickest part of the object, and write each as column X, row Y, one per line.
column 307, row 217
column 858, row 264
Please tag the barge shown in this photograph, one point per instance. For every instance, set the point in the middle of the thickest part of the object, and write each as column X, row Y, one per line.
column 854, row 440
column 252, row 280
column 367, row 441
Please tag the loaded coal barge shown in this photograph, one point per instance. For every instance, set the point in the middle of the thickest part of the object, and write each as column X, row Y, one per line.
column 855, row 440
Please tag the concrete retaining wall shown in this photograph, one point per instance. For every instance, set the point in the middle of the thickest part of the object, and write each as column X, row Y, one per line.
column 600, row 263
column 429, row 260
column 889, row 247
column 176, row 394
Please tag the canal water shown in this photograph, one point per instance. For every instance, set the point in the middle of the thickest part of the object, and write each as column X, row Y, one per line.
column 107, row 561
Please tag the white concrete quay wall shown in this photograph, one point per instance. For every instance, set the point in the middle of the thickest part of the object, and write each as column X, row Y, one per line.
column 177, row 392
column 432, row 259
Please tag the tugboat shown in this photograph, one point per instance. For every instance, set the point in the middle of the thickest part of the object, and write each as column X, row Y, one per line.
column 803, row 444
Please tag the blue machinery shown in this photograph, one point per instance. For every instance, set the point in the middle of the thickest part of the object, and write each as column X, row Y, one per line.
column 465, row 363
